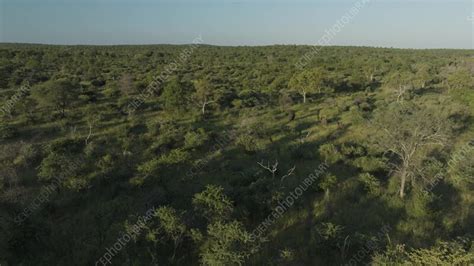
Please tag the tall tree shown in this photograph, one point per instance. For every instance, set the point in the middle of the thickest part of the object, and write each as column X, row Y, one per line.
column 409, row 132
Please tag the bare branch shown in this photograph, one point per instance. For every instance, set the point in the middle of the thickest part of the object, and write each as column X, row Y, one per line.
column 90, row 133
column 290, row 172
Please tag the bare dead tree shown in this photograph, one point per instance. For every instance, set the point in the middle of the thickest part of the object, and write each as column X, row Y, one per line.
column 271, row 168
column 90, row 134
column 401, row 91
column 91, row 119
column 409, row 132
column 204, row 103
column 345, row 247
column 401, row 83
column 204, row 95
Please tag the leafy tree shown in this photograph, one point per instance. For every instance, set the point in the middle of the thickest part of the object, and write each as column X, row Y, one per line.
column 442, row 253
column 159, row 140
column 64, row 165
column 204, row 94
column 213, row 204
column 328, row 181
column 227, row 244
column 56, row 166
column 169, row 228
column 308, row 81
column 175, row 94
column 58, row 94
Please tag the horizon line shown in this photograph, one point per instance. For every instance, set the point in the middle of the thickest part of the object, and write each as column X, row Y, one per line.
column 236, row 46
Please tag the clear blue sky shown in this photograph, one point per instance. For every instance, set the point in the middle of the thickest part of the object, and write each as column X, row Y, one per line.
column 388, row 23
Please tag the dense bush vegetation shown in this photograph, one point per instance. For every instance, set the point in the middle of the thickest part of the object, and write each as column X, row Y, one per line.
column 219, row 163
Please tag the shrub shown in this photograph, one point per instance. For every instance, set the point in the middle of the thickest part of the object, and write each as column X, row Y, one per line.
column 352, row 150
column 237, row 103
column 170, row 227
column 247, row 142
column 170, row 135
column 329, row 113
column 330, row 153
column 7, row 131
column 213, row 204
column 287, row 255
column 227, row 244
column 369, row 164
column 370, row 183
column 173, row 157
column 107, row 164
column 194, row 140
column 111, row 92
column 328, row 231
column 64, row 169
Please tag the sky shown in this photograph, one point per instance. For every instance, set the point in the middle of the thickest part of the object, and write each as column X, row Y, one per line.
column 380, row 23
